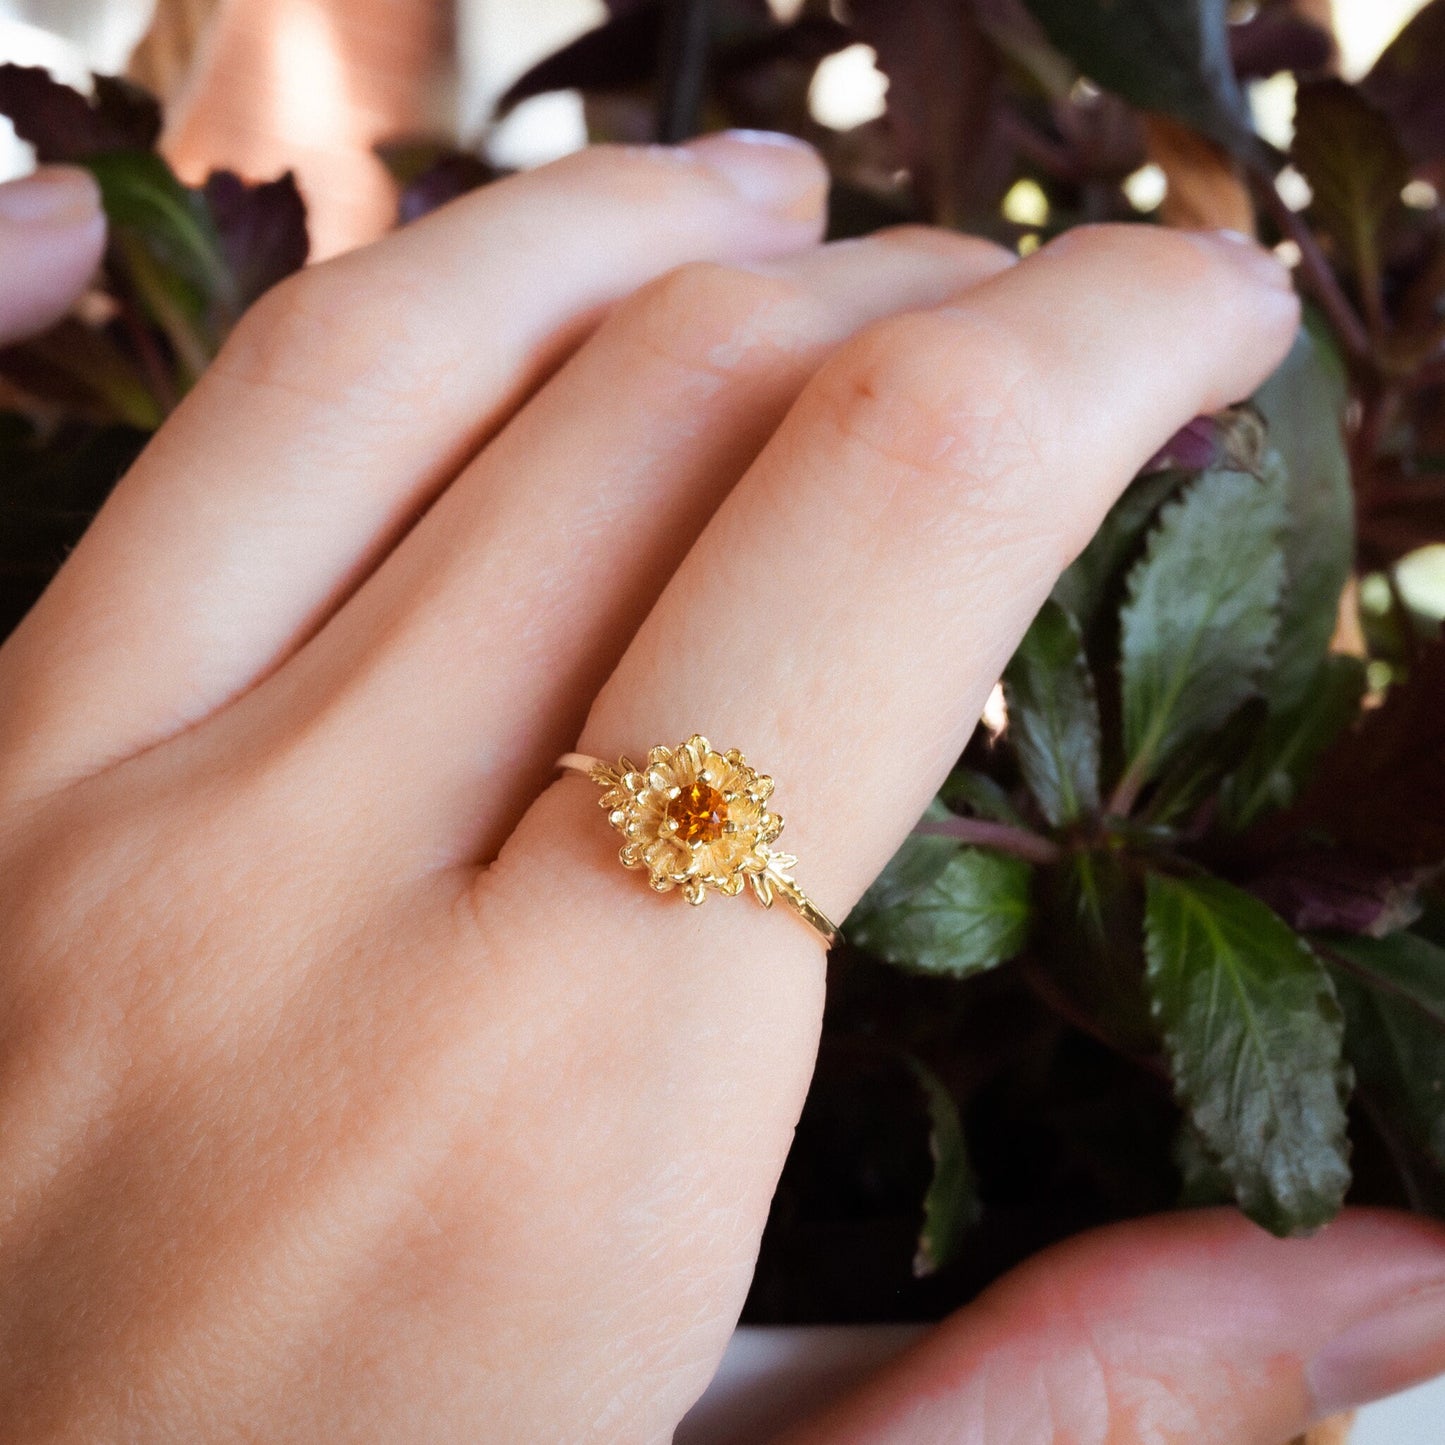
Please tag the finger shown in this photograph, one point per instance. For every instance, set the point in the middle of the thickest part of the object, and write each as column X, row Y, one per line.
column 511, row 602
column 51, row 234
column 345, row 399
column 914, row 511
column 840, row 619
column 1192, row 1328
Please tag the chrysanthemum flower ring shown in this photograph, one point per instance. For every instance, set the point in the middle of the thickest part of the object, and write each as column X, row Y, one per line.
column 697, row 819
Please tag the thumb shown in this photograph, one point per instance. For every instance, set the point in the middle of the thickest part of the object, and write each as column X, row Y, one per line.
column 51, row 234
column 1195, row 1328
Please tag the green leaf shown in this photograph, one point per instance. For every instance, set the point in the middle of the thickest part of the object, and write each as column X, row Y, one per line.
column 1279, row 761
column 163, row 236
column 1198, row 768
column 1203, row 1182
column 1349, row 153
column 1090, row 583
column 1303, row 405
column 951, row 1207
column 1200, row 623
column 916, row 864
column 1054, row 717
column 1393, row 993
column 967, row 788
column 1254, row 1035
column 1089, row 938
column 1164, row 55
column 969, row 915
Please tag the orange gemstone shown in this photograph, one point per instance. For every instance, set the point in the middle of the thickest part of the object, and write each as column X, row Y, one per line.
column 699, row 812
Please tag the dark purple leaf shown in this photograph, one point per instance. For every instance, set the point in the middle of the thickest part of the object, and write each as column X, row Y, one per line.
column 1277, row 39
column 84, row 372
column 1381, row 789
column 944, row 86
column 1104, row 135
column 622, row 54
column 807, row 41
column 1347, row 150
column 1408, row 84
column 1407, row 514
column 618, row 55
column 450, row 176
column 63, row 125
column 1326, row 890
column 262, row 230
column 1194, row 448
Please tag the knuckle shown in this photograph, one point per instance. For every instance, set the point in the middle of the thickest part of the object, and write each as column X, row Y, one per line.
column 320, row 335
column 717, row 320
column 946, row 393
column 1169, row 259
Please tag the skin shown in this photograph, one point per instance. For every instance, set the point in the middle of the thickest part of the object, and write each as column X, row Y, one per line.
column 349, row 1089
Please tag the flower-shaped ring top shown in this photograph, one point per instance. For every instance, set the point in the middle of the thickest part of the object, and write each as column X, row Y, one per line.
column 698, row 819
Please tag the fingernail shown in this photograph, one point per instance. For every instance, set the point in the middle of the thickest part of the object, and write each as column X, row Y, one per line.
column 1245, row 253
column 51, row 196
column 775, row 172
column 1402, row 1345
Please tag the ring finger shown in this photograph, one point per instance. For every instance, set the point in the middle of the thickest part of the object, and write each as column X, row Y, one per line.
column 514, row 597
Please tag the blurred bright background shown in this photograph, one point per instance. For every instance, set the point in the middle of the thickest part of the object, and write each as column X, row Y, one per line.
column 494, row 41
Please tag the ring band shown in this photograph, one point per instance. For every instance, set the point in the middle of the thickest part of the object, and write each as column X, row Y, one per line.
column 697, row 819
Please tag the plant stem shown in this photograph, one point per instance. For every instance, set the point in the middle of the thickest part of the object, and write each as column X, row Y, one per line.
column 1126, row 794
column 1002, row 837
column 1057, row 1001
column 1318, row 274
column 682, row 69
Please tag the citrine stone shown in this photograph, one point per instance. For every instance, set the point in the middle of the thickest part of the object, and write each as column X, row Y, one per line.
column 699, row 812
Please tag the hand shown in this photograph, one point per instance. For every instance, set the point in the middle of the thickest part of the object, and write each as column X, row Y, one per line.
column 51, row 235
column 348, row 1087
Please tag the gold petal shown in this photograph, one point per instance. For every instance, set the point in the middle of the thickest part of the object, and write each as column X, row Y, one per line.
column 661, row 883
column 659, row 779
column 733, row 885
column 631, row 855
column 769, row 827
column 762, row 787
column 695, row 750
column 659, row 756
column 694, row 891
column 762, row 888
column 782, row 862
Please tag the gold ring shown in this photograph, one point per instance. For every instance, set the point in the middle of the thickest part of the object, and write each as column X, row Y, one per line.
column 697, row 819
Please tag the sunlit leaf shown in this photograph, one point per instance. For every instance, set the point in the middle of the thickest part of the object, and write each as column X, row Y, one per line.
column 969, row 915
column 1200, row 623
column 951, row 1207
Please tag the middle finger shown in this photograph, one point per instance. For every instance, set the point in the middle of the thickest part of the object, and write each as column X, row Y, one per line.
column 513, row 599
